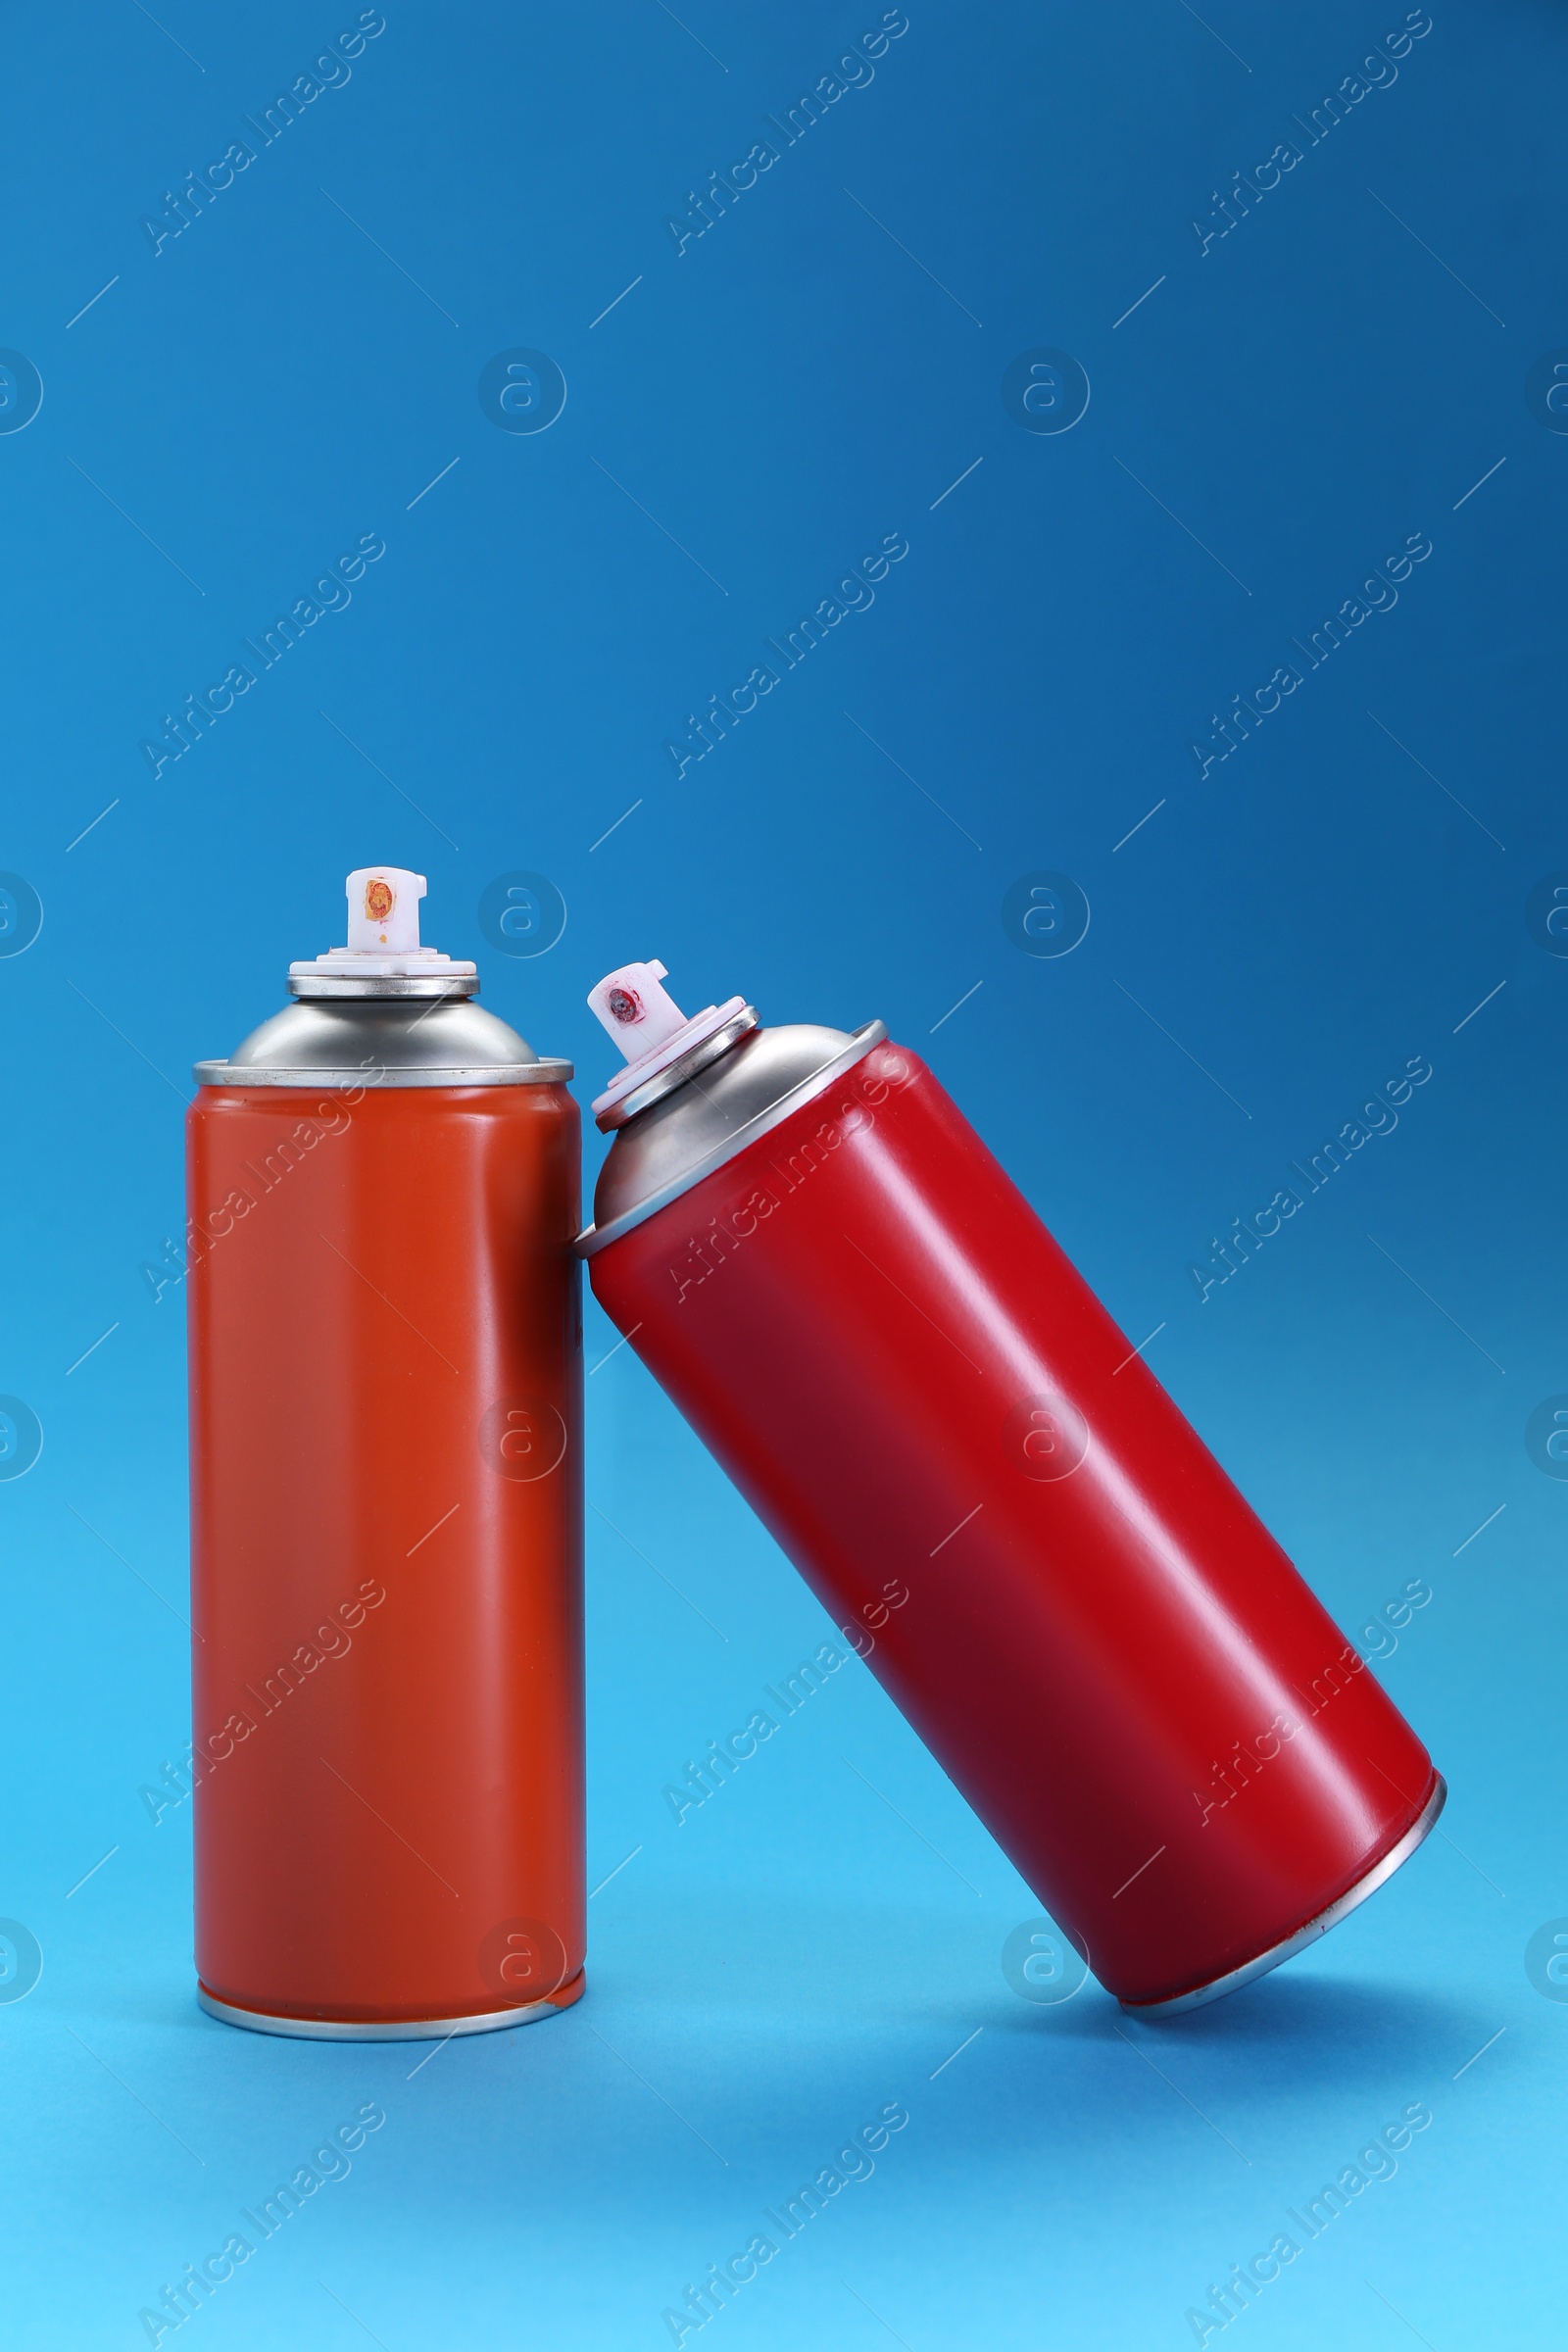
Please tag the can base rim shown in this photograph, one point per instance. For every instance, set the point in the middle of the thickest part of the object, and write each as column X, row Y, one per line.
column 427, row 2028
column 1368, row 1884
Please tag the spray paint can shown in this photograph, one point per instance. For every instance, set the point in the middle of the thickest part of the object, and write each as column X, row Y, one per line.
column 386, row 1505
column 814, row 1254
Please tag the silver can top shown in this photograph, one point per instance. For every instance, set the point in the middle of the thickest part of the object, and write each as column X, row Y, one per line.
column 383, row 1011
column 687, row 1114
column 383, row 956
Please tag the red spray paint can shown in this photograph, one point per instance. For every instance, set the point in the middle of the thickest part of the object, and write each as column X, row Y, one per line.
column 386, row 1509
column 817, row 1257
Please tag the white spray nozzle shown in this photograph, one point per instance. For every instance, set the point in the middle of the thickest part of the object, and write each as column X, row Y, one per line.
column 383, row 936
column 648, row 1026
column 637, row 1011
column 384, row 909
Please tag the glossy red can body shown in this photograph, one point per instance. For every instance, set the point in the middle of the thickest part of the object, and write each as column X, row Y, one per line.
column 386, row 1554
column 1101, row 1644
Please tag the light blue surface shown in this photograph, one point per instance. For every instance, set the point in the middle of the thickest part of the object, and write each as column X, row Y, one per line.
column 745, row 419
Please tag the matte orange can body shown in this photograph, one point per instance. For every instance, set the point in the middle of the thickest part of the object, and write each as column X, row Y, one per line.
column 386, row 1552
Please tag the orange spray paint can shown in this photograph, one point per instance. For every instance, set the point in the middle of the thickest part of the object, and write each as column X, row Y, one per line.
column 386, row 1505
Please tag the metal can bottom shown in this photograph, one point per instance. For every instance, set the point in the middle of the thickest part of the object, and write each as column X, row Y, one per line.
column 425, row 2029
column 1367, row 1883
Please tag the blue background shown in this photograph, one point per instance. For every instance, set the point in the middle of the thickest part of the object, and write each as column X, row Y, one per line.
column 753, row 414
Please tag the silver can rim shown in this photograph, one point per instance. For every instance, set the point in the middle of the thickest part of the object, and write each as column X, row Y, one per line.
column 1340, row 1908
column 427, row 2028
column 595, row 1238
column 675, row 1073
column 307, row 987
column 301, row 1079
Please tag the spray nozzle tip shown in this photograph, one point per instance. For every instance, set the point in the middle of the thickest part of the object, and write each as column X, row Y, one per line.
column 384, row 909
column 383, row 942
column 649, row 1028
column 637, row 1011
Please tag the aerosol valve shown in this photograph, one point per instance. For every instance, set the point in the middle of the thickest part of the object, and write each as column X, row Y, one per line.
column 383, row 942
column 648, row 1026
column 637, row 1010
column 385, row 911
